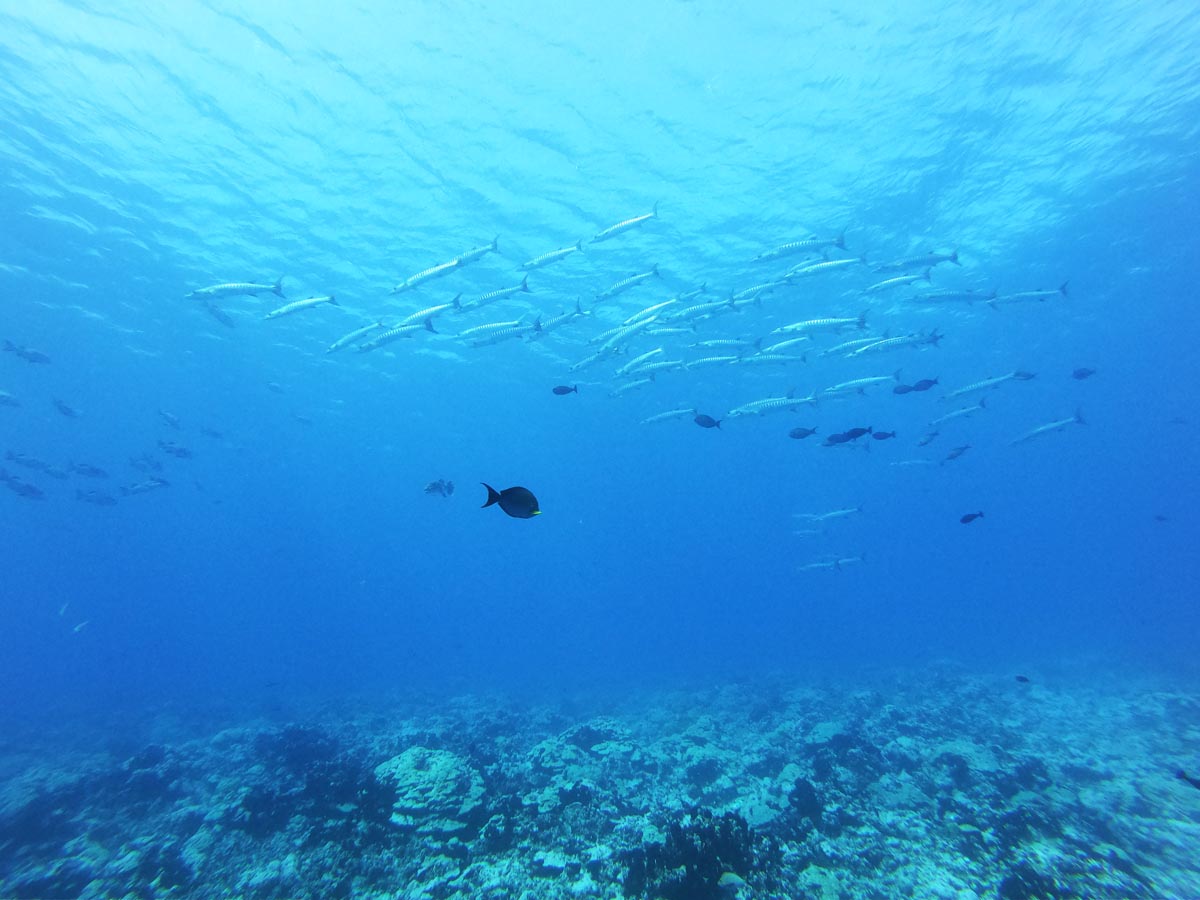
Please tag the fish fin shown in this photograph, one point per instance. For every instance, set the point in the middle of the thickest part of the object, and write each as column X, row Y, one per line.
column 579, row 244
column 429, row 325
column 525, row 284
column 457, row 301
column 954, row 257
column 333, row 300
column 495, row 244
column 1079, row 420
column 1062, row 288
column 654, row 210
column 840, row 240
column 493, row 495
column 862, row 319
column 926, row 274
column 277, row 288
column 896, row 374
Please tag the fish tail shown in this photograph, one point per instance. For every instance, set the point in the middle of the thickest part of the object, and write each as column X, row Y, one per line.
column 926, row 274
column 333, row 300
column 579, row 244
column 277, row 288
column 862, row 319
column 495, row 244
column 654, row 270
column 575, row 388
column 1079, row 420
column 1062, row 288
column 840, row 240
column 954, row 257
column 896, row 374
column 493, row 495
column 654, row 210
column 457, row 301
column 429, row 325
column 525, row 284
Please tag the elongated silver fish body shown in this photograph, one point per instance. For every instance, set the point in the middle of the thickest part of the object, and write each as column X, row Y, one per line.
column 426, row 275
column 553, row 256
column 626, row 283
column 354, row 336
column 238, row 289
column 1076, row 419
column 613, row 230
column 898, row 281
column 478, row 252
column 296, row 305
column 810, row 245
column 668, row 416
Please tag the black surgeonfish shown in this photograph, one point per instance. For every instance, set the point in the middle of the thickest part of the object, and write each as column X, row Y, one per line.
column 517, row 502
column 562, row 389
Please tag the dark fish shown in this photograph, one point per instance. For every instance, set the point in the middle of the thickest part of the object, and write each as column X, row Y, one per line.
column 145, row 463
column 275, row 386
column 1024, row 679
column 883, row 435
column 924, row 384
column 1081, row 373
column 971, row 517
column 855, row 433
column 219, row 314
column 835, row 439
column 69, row 411
column 1184, row 776
column 707, row 421
column 99, row 498
column 441, row 486
column 902, row 389
column 26, row 353
column 957, row 452
column 517, row 502
column 24, row 488
column 562, row 390
column 801, row 433
column 1159, row 517
column 88, row 470
column 29, row 462
column 177, row 450
column 928, row 438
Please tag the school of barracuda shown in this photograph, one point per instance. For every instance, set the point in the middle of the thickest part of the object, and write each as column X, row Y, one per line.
column 812, row 302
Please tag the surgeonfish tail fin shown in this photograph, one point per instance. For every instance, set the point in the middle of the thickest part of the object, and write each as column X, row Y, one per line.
column 1063, row 288
column 493, row 495
column 525, row 284
column 1079, row 420
column 277, row 288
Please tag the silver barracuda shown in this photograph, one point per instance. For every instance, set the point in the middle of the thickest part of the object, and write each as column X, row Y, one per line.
column 925, row 261
column 499, row 294
column 810, row 245
column 823, row 326
column 859, row 384
column 296, row 305
column 429, row 312
column 829, row 516
column 479, row 331
column 988, row 384
column 622, row 389
column 626, row 283
column 1076, row 419
column 826, row 265
column 553, row 256
column 637, row 361
column 478, row 252
column 709, row 361
column 613, row 230
column 354, row 336
column 783, row 345
column 766, row 359
column 771, row 404
column 656, row 309
column 949, row 296
column 555, row 322
column 898, row 281
column 959, row 413
column 849, row 346
column 426, row 275
column 667, row 365
column 1027, row 296
column 238, row 289
column 669, row 415
column 392, row 334
column 917, row 339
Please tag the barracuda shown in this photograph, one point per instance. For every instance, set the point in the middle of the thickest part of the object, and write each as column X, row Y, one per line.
column 811, row 245
column 354, row 336
column 613, row 230
column 431, row 311
column 238, row 289
column 1076, row 419
column 552, row 257
column 626, row 283
column 297, row 305
column 989, row 383
column 426, row 275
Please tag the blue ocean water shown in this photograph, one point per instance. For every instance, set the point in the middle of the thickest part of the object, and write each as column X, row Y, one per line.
column 153, row 150
column 261, row 538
